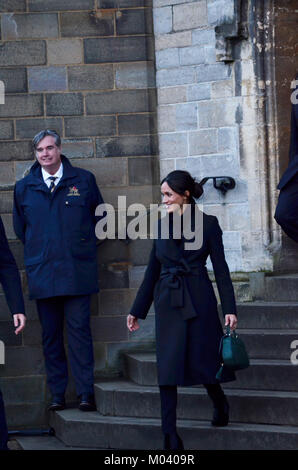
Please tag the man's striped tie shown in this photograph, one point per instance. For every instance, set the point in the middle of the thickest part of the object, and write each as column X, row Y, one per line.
column 52, row 185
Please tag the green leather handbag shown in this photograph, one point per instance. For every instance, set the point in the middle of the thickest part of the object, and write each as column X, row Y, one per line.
column 232, row 352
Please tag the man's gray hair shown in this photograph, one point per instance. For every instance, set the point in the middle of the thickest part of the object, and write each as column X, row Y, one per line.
column 42, row 134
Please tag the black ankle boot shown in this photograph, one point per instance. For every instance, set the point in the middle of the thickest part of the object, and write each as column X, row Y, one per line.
column 221, row 414
column 173, row 442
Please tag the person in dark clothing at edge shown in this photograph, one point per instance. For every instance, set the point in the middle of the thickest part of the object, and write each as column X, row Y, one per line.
column 54, row 217
column 11, row 283
column 286, row 213
column 188, row 328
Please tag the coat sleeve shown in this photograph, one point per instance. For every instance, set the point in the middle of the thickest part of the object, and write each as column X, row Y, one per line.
column 96, row 197
column 144, row 296
column 19, row 223
column 9, row 276
column 221, row 270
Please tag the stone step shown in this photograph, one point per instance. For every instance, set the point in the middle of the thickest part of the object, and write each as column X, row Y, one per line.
column 268, row 315
column 283, row 288
column 93, row 430
column 269, row 344
column 124, row 398
column 263, row 374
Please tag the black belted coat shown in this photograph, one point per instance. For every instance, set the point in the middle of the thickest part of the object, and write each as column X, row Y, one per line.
column 188, row 329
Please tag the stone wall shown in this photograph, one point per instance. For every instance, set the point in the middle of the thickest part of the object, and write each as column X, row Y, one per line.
column 86, row 69
column 209, row 107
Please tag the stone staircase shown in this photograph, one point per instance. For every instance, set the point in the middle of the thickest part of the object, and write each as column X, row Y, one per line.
column 263, row 400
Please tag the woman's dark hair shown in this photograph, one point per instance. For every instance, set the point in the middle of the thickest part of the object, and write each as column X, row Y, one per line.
column 181, row 181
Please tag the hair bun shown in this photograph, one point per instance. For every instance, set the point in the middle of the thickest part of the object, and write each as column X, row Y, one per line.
column 197, row 190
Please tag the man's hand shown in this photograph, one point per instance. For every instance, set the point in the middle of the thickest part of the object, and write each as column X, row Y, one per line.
column 19, row 320
column 132, row 323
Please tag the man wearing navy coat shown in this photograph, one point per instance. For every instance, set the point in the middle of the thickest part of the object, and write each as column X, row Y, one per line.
column 11, row 283
column 54, row 216
column 286, row 213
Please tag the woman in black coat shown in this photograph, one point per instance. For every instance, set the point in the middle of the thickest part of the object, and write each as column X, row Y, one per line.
column 188, row 329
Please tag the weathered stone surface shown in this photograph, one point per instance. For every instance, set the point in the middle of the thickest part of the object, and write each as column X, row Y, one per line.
column 6, row 174
column 212, row 72
column 56, row 5
column 178, row 76
column 189, row 16
column 106, row 174
column 167, row 118
column 126, row 146
column 91, row 77
column 142, row 171
column 78, row 148
column 198, row 92
column 137, row 21
column 90, row 126
column 65, row 51
column 47, row 79
column 22, row 168
column 127, row 101
column 126, row 49
column 123, row 3
column 23, row 53
column 13, row 5
column 135, row 75
column 186, row 116
column 109, row 328
column 6, row 130
column 203, row 36
column 82, row 24
column 218, row 113
column 167, row 58
column 163, row 20
column 192, row 55
column 132, row 124
column 28, row 128
column 203, row 142
column 173, row 145
column 14, row 79
column 167, row 41
column 61, row 104
column 6, row 200
column 15, row 151
column 29, row 26
column 22, row 105
column 172, row 95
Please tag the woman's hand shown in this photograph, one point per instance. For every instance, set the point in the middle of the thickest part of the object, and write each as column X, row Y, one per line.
column 231, row 320
column 132, row 323
column 19, row 320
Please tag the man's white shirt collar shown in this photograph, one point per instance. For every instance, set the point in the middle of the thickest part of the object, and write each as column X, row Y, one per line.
column 47, row 175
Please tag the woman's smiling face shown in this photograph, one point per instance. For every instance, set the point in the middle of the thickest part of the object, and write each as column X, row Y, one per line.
column 173, row 201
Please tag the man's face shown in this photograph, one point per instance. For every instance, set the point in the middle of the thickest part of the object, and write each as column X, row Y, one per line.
column 48, row 154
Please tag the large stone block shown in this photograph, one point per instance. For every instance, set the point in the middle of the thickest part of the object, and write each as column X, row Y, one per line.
column 78, row 148
column 173, row 145
column 28, row 128
column 47, row 79
column 22, row 361
column 167, row 118
column 90, row 126
column 6, row 200
column 190, row 16
column 6, row 177
column 217, row 165
column 13, row 5
column 192, row 55
column 91, row 77
column 109, row 328
column 135, row 75
column 178, row 76
column 67, row 104
column 132, row 124
column 142, row 194
column 227, row 139
column 17, row 390
column 107, row 173
column 23, row 53
column 167, row 58
column 15, row 151
column 123, row 3
column 65, row 51
column 163, row 20
column 121, row 49
column 219, row 10
column 203, row 37
column 22, row 105
column 143, row 171
column 198, row 92
column 82, row 24
column 14, row 79
column 6, row 130
column 29, row 26
column 218, row 113
column 58, row 5
column 137, row 21
column 213, row 72
column 172, row 95
column 127, row 101
column 167, row 41
column 126, row 146
column 203, row 142
column 186, row 116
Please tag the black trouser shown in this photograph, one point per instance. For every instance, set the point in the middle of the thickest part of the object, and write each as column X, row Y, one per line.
column 168, row 401
column 3, row 425
column 286, row 213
